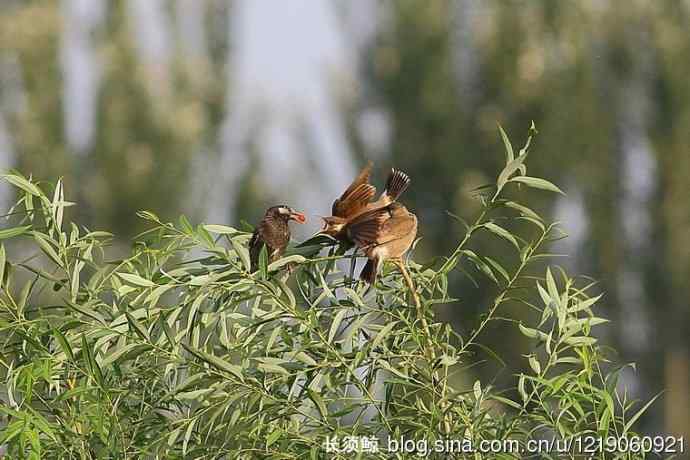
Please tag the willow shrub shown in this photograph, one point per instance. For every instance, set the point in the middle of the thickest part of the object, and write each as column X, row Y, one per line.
column 177, row 351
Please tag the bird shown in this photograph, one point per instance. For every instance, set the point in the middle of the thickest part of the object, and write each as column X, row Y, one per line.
column 385, row 233
column 356, row 201
column 273, row 232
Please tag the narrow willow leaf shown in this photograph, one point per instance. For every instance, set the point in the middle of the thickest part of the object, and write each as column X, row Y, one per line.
column 510, row 169
column 64, row 344
column 637, row 415
column 497, row 267
column 188, row 435
column 529, row 332
column 536, row 182
column 336, row 324
column 47, row 247
column 280, row 263
column 524, row 210
column 22, row 183
column 242, row 252
column 273, row 369
column 136, row 279
column 3, row 261
column 318, row 401
column 507, row 401
column 477, row 390
column 12, row 232
column 263, row 262
column 137, row 326
column 551, row 286
column 216, row 362
column 220, row 229
column 58, row 204
column 521, row 388
column 510, row 155
column 305, row 358
column 383, row 333
column 580, row 341
column 273, row 437
column 502, row 232
column 585, row 304
column 534, row 364
column 87, row 353
column 135, row 348
column 86, row 311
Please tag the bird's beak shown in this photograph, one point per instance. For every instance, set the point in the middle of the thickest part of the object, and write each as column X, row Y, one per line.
column 298, row 217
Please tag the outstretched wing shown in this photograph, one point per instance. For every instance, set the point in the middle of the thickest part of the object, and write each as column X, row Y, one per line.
column 365, row 229
column 355, row 198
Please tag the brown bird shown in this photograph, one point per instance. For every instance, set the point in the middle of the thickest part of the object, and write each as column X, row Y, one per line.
column 356, row 200
column 383, row 234
column 274, row 232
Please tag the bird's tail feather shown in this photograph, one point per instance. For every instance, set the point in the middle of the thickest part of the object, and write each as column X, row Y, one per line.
column 396, row 184
column 369, row 271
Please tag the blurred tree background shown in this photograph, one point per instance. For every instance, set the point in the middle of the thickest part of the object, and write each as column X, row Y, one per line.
column 136, row 104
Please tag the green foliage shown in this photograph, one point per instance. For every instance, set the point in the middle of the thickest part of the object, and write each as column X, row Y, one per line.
column 177, row 351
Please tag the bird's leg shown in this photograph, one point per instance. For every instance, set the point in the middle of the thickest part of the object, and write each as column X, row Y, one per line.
column 429, row 349
column 410, row 285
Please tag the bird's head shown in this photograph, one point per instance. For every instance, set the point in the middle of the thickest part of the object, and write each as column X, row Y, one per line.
column 286, row 213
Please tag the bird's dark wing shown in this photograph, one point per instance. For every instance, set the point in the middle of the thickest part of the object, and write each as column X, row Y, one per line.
column 356, row 196
column 365, row 229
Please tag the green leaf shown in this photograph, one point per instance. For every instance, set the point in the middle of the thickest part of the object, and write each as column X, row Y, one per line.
column 47, row 248
column 119, row 353
column 86, row 311
column 477, row 390
column 136, row 280
column 637, row 415
column 529, row 332
column 273, row 368
column 507, row 401
column 510, row 169
column 3, row 261
column 273, row 437
column 305, row 358
column 502, row 232
column 581, row 341
column 536, row 182
column 318, row 401
column 585, row 304
column 280, row 263
column 336, row 324
column 263, row 262
column 87, row 353
column 506, row 142
column 64, row 344
column 383, row 333
column 242, row 252
column 524, row 210
column 136, row 325
column 220, row 229
column 216, row 362
column 22, row 183
column 12, row 232
column 521, row 387
column 534, row 364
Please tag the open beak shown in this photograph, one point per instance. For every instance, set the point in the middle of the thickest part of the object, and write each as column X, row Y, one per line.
column 298, row 217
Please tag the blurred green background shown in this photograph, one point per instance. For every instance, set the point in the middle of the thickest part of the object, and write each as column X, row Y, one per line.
column 218, row 109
